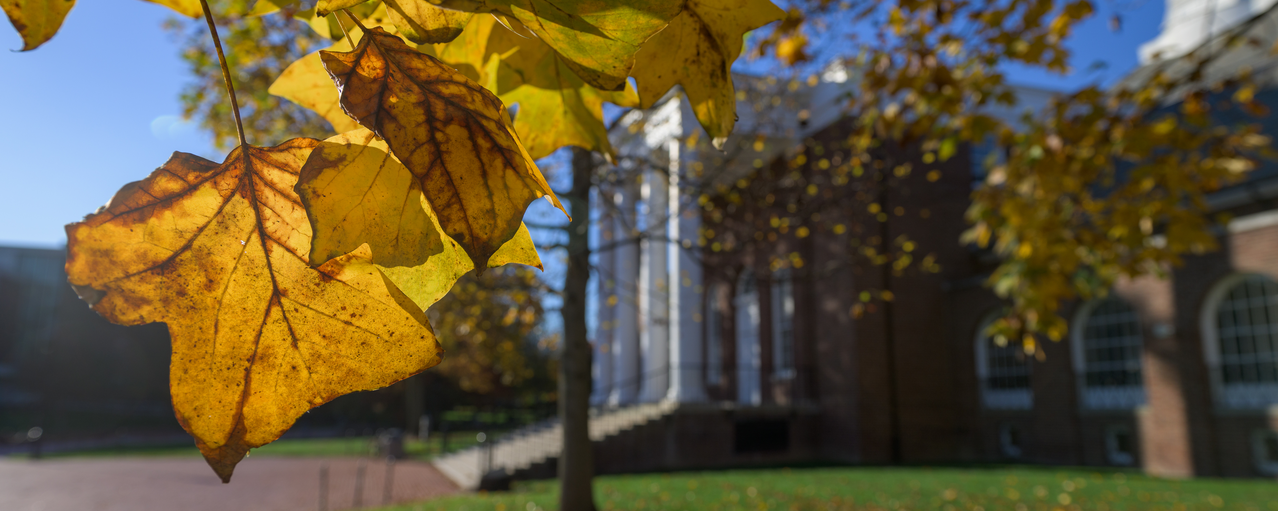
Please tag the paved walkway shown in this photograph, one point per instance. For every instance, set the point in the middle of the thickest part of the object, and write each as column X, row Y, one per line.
column 188, row 484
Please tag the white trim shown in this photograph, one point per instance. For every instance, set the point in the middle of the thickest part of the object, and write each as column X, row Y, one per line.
column 1098, row 398
column 1252, row 222
column 996, row 399
column 1237, row 396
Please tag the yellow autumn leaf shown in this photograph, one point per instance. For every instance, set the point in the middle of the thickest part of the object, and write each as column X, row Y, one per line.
column 423, row 23
column 451, row 133
column 308, row 84
column 264, row 7
column 598, row 40
column 357, row 193
column 327, row 25
column 428, row 282
column 36, row 20
column 326, row 7
column 218, row 252
column 556, row 108
column 188, row 8
column 697, row 51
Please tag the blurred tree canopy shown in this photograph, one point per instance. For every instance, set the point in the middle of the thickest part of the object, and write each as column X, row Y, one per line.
column 489, row 326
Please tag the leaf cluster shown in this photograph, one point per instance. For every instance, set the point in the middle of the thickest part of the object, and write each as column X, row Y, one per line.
column 292, row 274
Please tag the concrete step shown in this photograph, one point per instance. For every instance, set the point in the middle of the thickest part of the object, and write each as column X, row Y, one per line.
column 539, row 443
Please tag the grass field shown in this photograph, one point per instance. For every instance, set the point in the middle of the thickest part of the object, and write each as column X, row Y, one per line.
column 351, row 446
column 942, row 489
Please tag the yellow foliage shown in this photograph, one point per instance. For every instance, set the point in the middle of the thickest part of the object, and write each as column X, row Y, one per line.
column 453, row 135
column 260, row 336
column 702, row 42
column 36, row 20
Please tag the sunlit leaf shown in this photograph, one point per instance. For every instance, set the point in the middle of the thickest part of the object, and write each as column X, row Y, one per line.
column 307, row 83
column 356, row 192
column 598, row 40
column 428, row 282
column 556, row 108
column 264, row 7
column 697, row 51
column 455, row 136
column 326, row 7
column 219, row 253
column 36, row 20
column 423, row 23
column 188, row 8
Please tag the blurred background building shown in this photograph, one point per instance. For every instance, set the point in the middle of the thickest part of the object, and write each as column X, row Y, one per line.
column 788, row 350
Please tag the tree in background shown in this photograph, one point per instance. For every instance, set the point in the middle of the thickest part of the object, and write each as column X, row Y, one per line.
column 1085, row 185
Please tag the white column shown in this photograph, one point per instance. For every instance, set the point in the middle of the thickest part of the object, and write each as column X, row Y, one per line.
column 625, row 353
column 654, row 290
column 687, row 323
column 606, row 301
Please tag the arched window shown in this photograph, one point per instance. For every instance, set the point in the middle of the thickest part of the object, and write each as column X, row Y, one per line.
column 746, row 306
column 1003, row 372
column 783, row 324
column 1107, row 347
column 1240, row 339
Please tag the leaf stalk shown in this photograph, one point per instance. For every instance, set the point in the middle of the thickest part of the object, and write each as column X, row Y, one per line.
column 226, row 72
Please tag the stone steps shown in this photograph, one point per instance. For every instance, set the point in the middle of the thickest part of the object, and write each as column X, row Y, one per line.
column 523, row 449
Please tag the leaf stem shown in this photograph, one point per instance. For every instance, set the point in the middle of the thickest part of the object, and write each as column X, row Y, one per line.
column 226, row 72
column 353, row 18
column 343, row 27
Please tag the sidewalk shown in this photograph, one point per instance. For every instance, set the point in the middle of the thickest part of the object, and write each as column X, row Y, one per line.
column 187, row 484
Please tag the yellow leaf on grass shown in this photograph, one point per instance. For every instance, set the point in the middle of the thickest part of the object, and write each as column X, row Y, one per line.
column 697, row 51
column 188, row 8
column 452, row 134
column 219, row 253
column 36, row 20
column 598, row 40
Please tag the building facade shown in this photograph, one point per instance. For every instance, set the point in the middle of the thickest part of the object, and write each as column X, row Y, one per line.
column 1177, row 375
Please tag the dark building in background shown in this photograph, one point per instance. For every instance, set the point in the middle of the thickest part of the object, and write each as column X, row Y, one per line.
column 65, row 369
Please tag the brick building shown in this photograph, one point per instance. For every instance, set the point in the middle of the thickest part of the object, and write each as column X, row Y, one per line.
column 1178, row 376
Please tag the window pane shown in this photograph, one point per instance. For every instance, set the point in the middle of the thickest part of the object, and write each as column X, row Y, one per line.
column 1247, row 319
column 1112, row 345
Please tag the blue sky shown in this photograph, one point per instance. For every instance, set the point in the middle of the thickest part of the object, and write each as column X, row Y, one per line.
column 98, row 107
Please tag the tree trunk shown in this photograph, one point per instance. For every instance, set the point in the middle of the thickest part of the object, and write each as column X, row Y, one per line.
column 576, row 463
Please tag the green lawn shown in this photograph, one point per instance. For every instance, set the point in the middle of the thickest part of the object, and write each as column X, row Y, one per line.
column 944, row 489
column 352, row 446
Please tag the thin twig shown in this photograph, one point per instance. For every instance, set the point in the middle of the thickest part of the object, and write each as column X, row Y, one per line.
column 226, row 72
